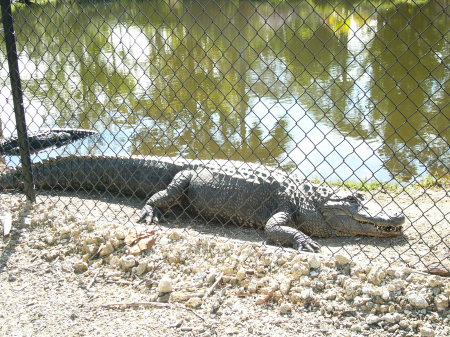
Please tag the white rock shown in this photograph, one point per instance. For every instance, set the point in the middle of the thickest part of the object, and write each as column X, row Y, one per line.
column 299, row 258
column 90, row 225
column 397, row 285
column 304, row 281
column 231, row 331
column 50, row 239
column 114, row 261
column 372, row 319
column 176, row 234
column 65, row 230
column 441, row 302
column 240, row 275
column 417, row 300
column 194, row 302
column 116, row 243
column 285, row 308
column 307, row 294
column 80, row 267
column 300, row 269
column 404, row 324
column 392, row 318
column 165, row 285
column 386, row 296
column 281, row 260
column 127, row 261
column 416, row 278
column 106, row 249
column 318, row 285
column 342, row 259
column 373, row 291
column 120, row 235
column 314, row 261
column 436, row 281
column 285, row 286
column 164, row 242
column 295, row 298
column 246, row 252
column 228, row 269
column 356, row 328
column 260, row 300
column 376, row 275
column 426, row 331
column 6, row 221
column 360, row 300
column 141, row 268
column 352, row 287
column 331, row 294
column 252, row 287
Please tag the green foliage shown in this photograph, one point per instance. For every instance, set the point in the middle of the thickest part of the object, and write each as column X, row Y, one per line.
column 429, row 182
column 433, row 182
column 362, row 185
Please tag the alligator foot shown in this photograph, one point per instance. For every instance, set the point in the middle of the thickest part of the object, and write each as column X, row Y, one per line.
column 307, row 246
column 150, row 215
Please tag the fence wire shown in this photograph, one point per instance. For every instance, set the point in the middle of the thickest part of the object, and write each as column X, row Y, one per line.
column 350, row 94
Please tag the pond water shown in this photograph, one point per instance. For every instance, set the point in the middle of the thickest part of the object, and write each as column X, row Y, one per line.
column 351, row 92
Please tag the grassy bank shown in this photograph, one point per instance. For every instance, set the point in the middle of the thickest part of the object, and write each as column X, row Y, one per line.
column 429, row 182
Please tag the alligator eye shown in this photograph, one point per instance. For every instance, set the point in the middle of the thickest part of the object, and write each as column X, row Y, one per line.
column 360, row 196
column 351, row 198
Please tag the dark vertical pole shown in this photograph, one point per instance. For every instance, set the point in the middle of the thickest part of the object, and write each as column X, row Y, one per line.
column 11, row 51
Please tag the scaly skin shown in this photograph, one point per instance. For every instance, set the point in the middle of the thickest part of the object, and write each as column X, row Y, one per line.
column 290, row 209
column 44, row 139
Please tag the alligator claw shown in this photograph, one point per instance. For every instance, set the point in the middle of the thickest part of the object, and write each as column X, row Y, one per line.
column 150, row 215
column 146, row 215
column 309, row 246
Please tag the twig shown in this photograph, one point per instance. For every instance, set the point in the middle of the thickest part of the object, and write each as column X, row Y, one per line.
column 419, row 272
column 136, row 304
column 119, row 282
column 432, row 271
column 192, row 311
column 147, row 304
column 438, row 271
column 93, row 280
column 211, row 289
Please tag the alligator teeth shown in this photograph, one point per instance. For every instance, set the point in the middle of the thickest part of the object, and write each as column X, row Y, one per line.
column 389, row 228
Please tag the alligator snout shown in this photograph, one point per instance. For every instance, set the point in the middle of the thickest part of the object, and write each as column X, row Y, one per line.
column 397, row 219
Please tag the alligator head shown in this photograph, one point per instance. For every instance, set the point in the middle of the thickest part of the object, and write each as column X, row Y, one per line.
column 350, row 214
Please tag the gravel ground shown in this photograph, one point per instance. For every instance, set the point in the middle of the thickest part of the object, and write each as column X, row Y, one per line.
column 79, row 266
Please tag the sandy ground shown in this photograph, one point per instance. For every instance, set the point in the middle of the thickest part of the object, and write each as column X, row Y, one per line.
column 42, row 293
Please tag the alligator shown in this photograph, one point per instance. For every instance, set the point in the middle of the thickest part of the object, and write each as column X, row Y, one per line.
column 290, row 209
column 43, row 139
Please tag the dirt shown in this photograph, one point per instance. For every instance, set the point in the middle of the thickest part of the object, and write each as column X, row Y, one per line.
column 44, row 292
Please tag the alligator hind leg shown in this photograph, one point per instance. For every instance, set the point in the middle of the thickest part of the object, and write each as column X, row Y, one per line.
column 165, row 198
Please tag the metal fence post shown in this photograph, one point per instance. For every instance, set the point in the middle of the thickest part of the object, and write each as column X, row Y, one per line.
column 13, row 64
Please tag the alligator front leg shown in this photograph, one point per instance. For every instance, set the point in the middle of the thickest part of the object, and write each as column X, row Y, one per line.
column 165, row 198
column 278, row 231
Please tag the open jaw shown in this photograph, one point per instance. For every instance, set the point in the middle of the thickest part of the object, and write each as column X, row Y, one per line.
column 345, row 225
column 381, row 224
column 382, row 230
column 354, row 219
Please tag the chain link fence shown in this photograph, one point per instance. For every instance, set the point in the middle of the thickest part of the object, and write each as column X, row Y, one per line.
column 349, row 94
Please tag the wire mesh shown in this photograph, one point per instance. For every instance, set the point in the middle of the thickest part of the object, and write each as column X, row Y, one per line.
column 347, row 94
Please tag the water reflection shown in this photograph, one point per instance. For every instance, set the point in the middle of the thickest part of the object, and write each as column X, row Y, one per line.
column 351, row 90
